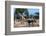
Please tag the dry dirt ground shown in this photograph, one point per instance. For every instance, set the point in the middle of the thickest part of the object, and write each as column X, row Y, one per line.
column 25, row 24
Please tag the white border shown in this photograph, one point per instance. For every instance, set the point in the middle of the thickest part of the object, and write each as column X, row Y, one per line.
column 25, row 28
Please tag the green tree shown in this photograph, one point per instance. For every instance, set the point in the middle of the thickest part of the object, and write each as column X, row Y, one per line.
column 18, row 13
column 26, row 13
column 19, row 10
column 31, row 16
column 37, row 15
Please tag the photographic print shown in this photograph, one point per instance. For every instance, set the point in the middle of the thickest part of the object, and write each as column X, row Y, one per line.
column 24, row 17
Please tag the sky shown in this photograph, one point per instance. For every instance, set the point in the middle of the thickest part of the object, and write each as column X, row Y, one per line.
column 32, row 11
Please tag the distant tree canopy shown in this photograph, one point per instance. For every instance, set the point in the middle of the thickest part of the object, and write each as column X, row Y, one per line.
column 26, row 12
column 19, row 10
column 31, row 16
column 37, row 15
